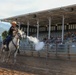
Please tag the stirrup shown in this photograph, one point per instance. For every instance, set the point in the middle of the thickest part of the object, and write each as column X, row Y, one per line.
column 7, row 49
column 4, row 47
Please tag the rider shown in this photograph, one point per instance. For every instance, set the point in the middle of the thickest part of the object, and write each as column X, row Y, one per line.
column 10, row 33
column 12, row 28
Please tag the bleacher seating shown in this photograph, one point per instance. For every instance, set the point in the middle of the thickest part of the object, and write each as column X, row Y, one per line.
column 53, row 44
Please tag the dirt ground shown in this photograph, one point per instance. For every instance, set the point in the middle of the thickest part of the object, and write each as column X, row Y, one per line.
column 4, row 71
column 38, row 66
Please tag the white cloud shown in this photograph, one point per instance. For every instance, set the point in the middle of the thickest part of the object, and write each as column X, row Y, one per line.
column 10, row 8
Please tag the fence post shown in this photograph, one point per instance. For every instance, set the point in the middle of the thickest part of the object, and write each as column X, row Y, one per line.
column 32, row 53
column 68, row 51
column 56, row 49
column 47, row 53
column 38, row 54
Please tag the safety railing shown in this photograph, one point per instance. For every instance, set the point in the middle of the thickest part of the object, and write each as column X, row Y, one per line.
column 51, row 49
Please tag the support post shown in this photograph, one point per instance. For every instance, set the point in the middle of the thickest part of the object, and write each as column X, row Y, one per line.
column 49, row 27
column 62, row 28
column 27, row 28
column 37, row 28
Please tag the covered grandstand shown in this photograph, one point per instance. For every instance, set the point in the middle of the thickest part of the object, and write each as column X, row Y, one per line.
column 53, row 20
column 56, row 25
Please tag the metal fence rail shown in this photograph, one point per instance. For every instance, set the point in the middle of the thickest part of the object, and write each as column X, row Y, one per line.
column 50, row 49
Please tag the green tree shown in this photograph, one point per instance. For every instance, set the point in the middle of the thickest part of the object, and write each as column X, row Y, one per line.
column 4, row 34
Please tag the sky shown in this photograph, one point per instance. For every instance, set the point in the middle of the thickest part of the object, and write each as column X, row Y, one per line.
column 10, row 8
column 4, row 26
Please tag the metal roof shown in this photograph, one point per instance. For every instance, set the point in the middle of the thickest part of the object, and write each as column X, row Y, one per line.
column 56, row 14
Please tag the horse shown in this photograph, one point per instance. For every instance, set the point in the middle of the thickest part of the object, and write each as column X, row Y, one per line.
column 13, row 46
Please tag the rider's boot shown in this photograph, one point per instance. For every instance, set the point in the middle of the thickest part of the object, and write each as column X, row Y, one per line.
column 7, row 49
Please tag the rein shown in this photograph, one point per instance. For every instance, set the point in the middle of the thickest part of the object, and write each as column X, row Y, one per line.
column 14, row 44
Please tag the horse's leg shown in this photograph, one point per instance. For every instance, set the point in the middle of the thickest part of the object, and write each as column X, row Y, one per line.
column 8, row 56
column 2, row 53
column 18, row 44
column 18, row 51
column 15, row 54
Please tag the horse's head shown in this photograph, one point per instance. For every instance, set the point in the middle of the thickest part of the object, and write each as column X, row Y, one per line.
column 21, row 34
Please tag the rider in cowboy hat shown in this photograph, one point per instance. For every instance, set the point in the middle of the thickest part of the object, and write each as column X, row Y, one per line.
column 13, row 29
